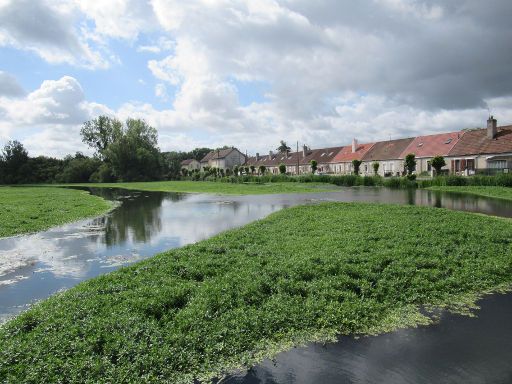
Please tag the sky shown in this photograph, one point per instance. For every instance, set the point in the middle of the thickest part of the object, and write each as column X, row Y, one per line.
column 249, row 73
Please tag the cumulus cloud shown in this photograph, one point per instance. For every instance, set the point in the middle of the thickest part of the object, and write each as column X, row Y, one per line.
column 9, row 86
column 332, row 69
column 47, row 30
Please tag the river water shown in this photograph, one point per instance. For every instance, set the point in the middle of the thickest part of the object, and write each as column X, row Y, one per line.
column 33, row 267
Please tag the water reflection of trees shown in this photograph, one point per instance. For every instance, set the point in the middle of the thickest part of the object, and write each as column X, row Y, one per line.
column 138, row 218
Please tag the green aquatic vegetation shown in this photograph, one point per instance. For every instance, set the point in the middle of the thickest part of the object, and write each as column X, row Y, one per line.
column 220, row 188
column 303, row 274
column 486, row 191
column 31, row 209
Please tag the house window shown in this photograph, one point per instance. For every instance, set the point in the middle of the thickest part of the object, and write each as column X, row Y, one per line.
column 429, row 166
column 498, row 164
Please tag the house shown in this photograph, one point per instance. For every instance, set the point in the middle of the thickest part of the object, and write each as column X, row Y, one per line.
column 389, row 156
column 223, row 159
column 425, row 148
column 190, row 165
column 323, row 158
column 341, row 164
column 487, row 150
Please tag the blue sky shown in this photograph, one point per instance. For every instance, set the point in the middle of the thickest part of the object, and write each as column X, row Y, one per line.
column 252, row 72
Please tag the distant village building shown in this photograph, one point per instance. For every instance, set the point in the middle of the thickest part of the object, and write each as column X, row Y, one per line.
column 487, row 150
column 223, row 159
column 190, row 164
column 389, row 155
column 341, row 164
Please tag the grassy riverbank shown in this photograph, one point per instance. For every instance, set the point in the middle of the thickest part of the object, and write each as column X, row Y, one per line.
column 27, row 209
column 495, row 192
column 302, row 274
column 220, row 188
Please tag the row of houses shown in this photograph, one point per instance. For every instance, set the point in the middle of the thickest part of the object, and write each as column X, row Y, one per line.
column 466, row 152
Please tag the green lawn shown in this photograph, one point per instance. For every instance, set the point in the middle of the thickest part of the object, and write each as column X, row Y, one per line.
column 31, row 209
column 220, row 188
column 496, row 192
column 302, row 274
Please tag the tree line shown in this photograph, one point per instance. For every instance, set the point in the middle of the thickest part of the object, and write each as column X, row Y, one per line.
column 123, row 151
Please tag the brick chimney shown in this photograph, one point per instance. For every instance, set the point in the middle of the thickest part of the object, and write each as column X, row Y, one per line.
column 304, row 150
column 257, row 157
column 492, row 128
column 354, row 145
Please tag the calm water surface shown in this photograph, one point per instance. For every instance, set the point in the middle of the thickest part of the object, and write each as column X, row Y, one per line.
column 35, row 266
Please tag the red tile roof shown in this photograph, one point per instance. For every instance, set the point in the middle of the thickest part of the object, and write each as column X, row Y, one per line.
column 476, row 142
column 387, row 150
column 346, row 154
column 432, row 145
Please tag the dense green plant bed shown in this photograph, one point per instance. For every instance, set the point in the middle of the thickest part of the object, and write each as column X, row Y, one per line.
column 302, row 274
column 30, row 209
column 500, row 180
column 495, row 192
column 218, row 187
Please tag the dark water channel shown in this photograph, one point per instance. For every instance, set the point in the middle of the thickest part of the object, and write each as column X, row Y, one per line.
column 33, row 267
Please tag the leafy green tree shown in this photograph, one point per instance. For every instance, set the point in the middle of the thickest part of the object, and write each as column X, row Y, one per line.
column 262, row 169
column 184, row 172
column 410, row 163
column 246, row 169
column 314, row 166
column 253, row 169
column 78, row 169
column 101, row 132
column 438, row 163
column 282, row 169
column 375, row 166
column 229, row 172
column 236, row 170
column 356, row 164
column 14, row 163
column 134, row 156
column 283, row 147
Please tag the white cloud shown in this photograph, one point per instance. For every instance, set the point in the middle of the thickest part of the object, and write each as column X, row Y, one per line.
column 47, row 30
column 9, row 85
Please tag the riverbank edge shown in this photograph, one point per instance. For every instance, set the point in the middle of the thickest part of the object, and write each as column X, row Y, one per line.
column 503, row 193
column 98, row 207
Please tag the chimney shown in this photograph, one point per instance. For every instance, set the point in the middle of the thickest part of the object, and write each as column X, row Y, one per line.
column 304, row 150
column 492, row 128
column 354, row 145
column 257, row 157
column 270, row 154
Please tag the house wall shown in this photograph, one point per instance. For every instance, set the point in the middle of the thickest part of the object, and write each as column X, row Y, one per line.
column 232, row 159
column 193, row 165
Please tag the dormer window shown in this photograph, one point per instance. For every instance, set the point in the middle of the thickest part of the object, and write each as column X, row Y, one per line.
column 448, row 141
column 420, row 144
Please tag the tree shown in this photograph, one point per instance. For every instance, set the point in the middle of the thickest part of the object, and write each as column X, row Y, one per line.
column 314, row 166
column 356, row 164
column 134, row 156
column 184, row 171
column 283, row 148
column 262, row 169
column 282, row 169
column 410, row 163
column 253, row 169
column 78, row 169
column 101, row 132
column 236, row 170
column 375, row 166
column 437, row 163
column 14, row 163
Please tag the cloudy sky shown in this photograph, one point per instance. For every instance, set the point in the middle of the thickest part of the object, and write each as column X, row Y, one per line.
column 252, row 72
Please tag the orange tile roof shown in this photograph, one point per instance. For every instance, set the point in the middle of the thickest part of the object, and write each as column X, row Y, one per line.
column 346, row 154
column 432, row 145
column 476, row 142
column 387, row 150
